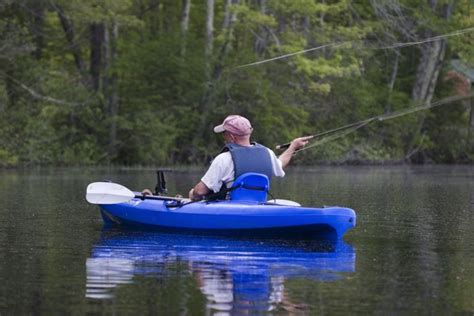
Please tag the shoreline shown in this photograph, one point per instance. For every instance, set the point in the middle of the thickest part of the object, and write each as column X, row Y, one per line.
column 195, row 167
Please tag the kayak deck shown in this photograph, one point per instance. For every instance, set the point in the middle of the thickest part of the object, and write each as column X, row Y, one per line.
column 232, row 218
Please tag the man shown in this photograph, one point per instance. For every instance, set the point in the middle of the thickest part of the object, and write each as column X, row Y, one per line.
column 241, row 156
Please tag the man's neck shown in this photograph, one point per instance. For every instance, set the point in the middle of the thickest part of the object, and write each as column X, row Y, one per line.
column 243, row 142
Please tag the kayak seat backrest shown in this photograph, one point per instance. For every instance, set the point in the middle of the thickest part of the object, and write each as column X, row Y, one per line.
column 250, row 186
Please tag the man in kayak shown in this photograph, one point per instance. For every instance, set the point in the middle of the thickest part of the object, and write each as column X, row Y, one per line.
column 240, row 156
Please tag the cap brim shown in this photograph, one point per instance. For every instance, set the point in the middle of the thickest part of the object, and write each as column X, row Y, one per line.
column 219, row 128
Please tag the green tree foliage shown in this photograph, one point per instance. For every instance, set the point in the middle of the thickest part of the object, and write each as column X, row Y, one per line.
column 130, row 82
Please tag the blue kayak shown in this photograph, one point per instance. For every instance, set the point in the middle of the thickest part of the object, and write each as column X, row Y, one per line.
column 232, row 218
column 246, row 212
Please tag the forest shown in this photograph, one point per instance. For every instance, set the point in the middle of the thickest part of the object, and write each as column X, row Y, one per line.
column 142, row 82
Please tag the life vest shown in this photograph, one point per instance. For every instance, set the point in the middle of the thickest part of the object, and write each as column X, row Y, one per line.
column 255, row 158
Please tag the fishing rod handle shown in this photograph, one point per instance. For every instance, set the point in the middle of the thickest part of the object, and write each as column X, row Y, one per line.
column 283, row 146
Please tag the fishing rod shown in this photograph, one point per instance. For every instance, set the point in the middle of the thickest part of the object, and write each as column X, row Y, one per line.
column 356, row 125
column 349, row 128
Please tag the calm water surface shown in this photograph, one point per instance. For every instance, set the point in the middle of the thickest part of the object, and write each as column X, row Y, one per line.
column 411, row 252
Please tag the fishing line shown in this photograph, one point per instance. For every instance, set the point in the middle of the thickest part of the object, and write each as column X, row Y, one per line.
column 293, row 54
column 350, row 128
column 431, row 39
column 426, row 106
column 334, row 45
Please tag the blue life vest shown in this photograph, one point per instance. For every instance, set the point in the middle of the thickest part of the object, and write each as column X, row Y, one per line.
column 254, row 158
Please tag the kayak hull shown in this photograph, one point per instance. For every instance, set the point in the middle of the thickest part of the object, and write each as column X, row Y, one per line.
column 232, row 218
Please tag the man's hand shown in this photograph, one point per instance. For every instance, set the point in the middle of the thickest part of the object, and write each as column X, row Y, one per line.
column 300, row 142
column 296, row 144
column 199, row 191
column 147, row 192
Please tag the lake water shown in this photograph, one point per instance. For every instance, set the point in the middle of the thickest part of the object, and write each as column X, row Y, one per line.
column 412, row 251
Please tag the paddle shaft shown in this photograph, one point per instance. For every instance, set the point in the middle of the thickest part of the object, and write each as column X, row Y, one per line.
column 158, row 197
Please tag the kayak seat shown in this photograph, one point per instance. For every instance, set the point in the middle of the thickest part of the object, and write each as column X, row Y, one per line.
column 250, row 186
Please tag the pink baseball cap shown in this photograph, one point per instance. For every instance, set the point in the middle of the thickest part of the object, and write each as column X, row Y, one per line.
column 235, row 124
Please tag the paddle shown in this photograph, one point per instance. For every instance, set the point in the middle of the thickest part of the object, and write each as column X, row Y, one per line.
column 113, row 193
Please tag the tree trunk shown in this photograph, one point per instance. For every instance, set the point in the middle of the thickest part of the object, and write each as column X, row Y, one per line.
column 432, row 56
column 69, row 30
column 228, row 27
column 185, row 24
column 209, row 36
column 393, row 78
column 261, row 40
column 37, row 12
column 10, row 87
column 96, row 42
column 227, row 14
column 470, row 132
column 208, row 94
column 209, row 90
column 431, row 62
column 214, row 76
column 110, row 86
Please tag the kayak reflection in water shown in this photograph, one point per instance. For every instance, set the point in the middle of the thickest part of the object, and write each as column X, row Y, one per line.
column 236, row 276
column 240, row 156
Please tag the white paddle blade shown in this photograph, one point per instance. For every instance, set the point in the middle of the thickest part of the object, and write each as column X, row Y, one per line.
column 283, row 202
column 108, row 193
